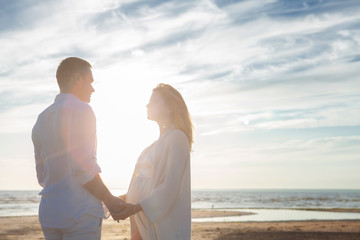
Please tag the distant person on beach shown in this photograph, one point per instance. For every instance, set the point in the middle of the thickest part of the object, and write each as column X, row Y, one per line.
column 160, row 189
column 64, row 139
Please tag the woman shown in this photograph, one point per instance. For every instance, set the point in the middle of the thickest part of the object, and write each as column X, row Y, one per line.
column 160, row 191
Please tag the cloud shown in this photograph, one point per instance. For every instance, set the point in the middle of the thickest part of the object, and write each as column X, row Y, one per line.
column 20, row 118
column 245, row 68
column 18, row 15
column 332, row 150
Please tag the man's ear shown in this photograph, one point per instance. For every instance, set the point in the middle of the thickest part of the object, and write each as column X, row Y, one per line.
column 74, row 82
column 76, row 79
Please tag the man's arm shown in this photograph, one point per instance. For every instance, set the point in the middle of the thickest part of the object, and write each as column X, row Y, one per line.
column 97, row 188
column 123, row 197
column 83, row 153
column 40, row 167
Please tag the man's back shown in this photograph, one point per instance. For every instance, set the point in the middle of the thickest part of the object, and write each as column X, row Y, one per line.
column 64, row 138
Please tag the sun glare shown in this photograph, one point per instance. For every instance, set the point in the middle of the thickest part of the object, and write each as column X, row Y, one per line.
column 123, row 129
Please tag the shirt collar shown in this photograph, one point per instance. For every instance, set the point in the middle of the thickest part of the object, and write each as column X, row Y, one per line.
column 66, row 97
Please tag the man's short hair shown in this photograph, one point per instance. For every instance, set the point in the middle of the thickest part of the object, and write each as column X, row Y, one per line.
column 68, row 68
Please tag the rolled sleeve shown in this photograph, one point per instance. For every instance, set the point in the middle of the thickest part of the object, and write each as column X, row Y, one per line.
column 83, row 144
column 39, row 162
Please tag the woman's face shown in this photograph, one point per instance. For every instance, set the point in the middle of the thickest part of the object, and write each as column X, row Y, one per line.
column 157, row 109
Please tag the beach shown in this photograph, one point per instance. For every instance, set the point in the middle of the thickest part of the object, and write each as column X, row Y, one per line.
column 28, row 227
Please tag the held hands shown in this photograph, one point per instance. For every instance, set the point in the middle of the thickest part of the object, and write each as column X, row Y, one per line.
column 119, row 209
column 115, row 205
column 126, row 212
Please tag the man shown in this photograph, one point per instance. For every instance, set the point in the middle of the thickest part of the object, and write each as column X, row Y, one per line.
column 64, row 139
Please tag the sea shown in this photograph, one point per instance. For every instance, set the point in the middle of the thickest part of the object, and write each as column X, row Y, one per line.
column 25, row 203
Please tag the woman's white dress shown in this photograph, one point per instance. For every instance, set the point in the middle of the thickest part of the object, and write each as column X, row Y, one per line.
column 161, row 184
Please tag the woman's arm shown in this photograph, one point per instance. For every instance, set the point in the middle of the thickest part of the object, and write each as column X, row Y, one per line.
column 162, row 198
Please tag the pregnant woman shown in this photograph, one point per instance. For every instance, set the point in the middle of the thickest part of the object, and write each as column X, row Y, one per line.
column 159, row 194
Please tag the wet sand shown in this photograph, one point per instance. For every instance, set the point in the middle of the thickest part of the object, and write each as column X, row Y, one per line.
column 29, row 228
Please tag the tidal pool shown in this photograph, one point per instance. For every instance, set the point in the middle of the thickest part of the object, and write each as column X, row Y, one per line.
column 264, row 215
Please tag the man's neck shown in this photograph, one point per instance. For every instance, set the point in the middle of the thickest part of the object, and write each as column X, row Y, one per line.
column 69, row 91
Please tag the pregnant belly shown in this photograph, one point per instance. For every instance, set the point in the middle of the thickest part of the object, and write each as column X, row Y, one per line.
column 139, row 189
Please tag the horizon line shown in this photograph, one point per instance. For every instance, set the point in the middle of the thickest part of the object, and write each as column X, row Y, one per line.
column 215, row 189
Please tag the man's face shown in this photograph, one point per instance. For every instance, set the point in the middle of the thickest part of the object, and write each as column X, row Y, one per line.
column 85, row 88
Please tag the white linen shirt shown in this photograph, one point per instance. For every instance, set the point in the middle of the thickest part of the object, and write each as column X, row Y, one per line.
column 64, row 139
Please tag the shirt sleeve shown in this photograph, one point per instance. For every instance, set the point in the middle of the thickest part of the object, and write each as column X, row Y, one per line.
column 39, row 162
column 164, row 196
column 83, row 145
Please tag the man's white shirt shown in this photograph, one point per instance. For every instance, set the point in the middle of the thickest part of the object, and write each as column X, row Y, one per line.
column 64, row 139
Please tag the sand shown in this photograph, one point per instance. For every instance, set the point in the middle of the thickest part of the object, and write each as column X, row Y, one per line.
column 29, row 228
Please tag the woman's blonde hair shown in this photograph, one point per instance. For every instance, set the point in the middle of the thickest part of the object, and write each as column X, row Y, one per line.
column 180, row 115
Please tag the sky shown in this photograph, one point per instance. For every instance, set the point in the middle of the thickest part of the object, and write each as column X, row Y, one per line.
column 272, row 86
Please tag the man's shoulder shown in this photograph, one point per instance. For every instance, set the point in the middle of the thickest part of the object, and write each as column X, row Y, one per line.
column 77, row 107
column 46, row 110
column 82, row 106
column 83, row 112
